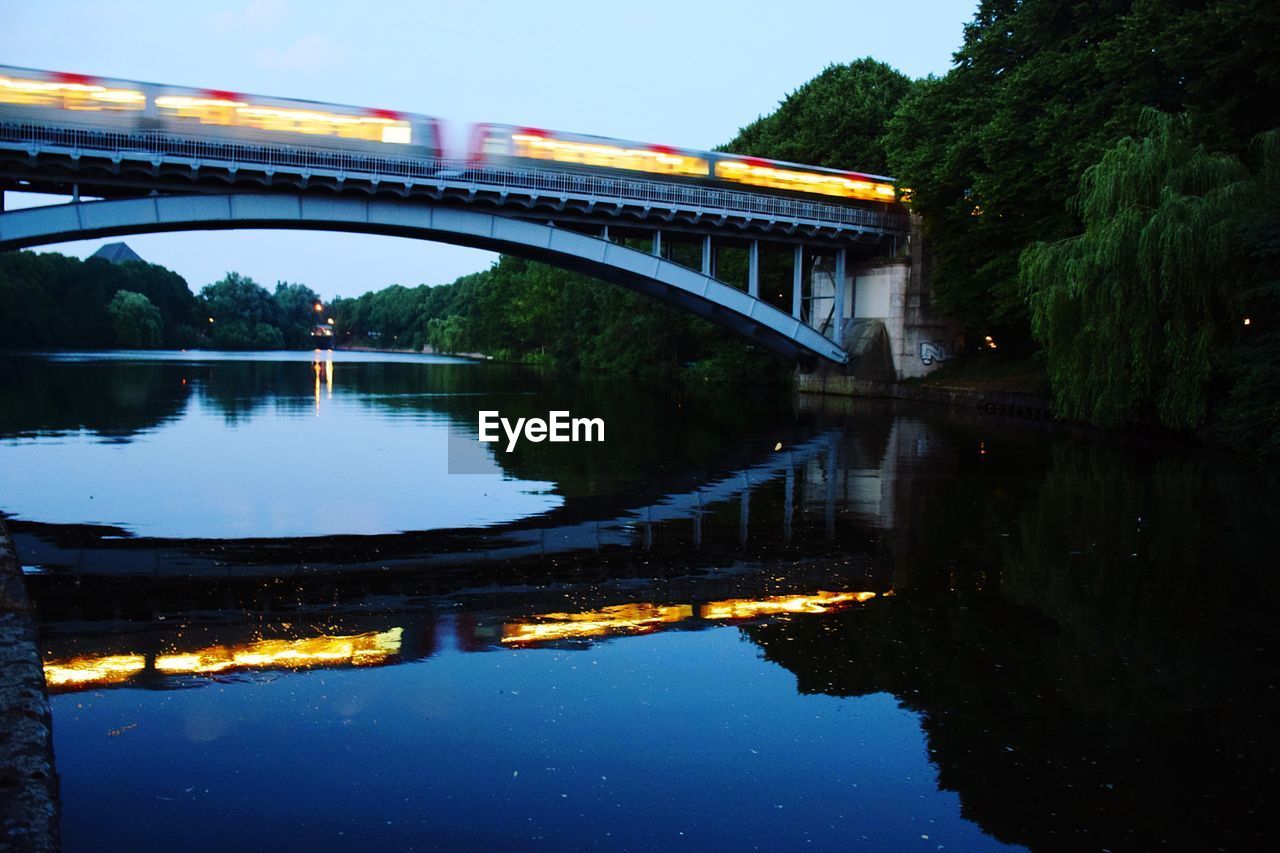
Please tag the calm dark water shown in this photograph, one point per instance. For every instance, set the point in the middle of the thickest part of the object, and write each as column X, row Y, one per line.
column 272, row 619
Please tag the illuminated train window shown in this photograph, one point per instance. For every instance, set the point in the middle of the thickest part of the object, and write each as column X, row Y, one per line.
column 763, row 175
column 654, row 160
column 69, row 94
column 235, row 113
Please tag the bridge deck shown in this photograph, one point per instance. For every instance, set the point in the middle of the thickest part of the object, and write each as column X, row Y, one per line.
column 109, row 164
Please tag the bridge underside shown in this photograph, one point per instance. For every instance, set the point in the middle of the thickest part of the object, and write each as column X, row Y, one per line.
column 735, row 310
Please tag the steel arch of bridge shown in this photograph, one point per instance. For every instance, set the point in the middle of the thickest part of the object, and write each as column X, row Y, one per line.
column 723, row 304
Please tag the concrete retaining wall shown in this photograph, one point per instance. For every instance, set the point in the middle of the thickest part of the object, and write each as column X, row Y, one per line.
column 1002, row 402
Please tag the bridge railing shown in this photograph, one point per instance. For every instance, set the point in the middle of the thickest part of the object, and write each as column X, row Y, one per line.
column 455, row 173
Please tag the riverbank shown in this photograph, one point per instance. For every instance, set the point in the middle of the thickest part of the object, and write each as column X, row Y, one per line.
column 28, row 782
column 472, row 356
column 1012, row 387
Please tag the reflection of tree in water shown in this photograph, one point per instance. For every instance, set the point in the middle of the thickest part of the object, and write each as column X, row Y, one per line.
column 1087, row 646
column 114, row 399
column 652, row 430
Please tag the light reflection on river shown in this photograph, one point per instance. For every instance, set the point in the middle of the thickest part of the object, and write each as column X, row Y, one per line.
column 906, row 629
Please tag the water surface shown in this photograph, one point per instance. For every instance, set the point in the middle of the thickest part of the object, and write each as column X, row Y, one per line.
column 272, row 619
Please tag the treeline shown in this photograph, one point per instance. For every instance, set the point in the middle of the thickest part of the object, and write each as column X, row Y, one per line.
column 52, row 301
column 1098, row 185
column 55, row 302
column 520, row 310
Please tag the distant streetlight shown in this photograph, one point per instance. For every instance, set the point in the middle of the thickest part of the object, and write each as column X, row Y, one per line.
column 319, row 307
column 210, row 319
column 330, row 321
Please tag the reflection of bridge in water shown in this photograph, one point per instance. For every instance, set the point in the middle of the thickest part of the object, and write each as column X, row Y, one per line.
column 804, row 530
column 761, row 505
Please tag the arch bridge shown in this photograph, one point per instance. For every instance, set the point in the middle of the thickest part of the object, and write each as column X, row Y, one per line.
column 659, row 237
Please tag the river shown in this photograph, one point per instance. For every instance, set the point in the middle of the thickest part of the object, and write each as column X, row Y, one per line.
column 272, row 618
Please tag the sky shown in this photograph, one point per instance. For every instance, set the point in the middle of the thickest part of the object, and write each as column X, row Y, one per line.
column 673, row 72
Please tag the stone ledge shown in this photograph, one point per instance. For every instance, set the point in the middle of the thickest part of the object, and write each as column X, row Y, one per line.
column 28, row 781
column 1003, row 402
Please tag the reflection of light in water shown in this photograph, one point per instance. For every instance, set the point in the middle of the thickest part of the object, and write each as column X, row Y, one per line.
column 640, row 618
column 620, row 619
column 323, row 368
column 745, row 608
column 316, row 368
column 373, row 648
column 357, row 650
column 105, row 670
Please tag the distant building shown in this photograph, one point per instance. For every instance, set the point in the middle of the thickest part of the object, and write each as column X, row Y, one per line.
column 117, row 253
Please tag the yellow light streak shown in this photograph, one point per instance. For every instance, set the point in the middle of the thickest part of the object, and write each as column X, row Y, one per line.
column 366, row 649
column 608, row 156
column 760, row 175
column 68, row 95
column 85, row 671
column 745, row 608
column 645, row 617
column 224, row 111
column 620, row 619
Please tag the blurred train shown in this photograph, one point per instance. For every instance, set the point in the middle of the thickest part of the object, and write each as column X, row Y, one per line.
column 48, row 97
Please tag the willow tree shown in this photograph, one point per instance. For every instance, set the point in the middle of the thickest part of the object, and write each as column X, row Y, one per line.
column 1130, row 310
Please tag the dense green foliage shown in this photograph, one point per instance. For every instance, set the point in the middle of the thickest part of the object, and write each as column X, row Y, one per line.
column 994, row 149
column 296, row 313
column 1087, row 179
column 521, row 310
column 137, row 322
column 1133, row 310
column 837, row 119
column 245, row 315
column 54, row 301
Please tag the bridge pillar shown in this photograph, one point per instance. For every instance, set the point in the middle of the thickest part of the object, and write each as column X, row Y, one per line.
column 753, row 269
column 837, row 314
column 797, row 271
column 697, row 523
column 830, row 502
column 657, row 243
column 708, row 257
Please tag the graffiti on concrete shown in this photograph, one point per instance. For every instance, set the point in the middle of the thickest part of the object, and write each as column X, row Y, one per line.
column 931, row 351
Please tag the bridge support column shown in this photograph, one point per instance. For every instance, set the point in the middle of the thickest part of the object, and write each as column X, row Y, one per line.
column 697, row 523
column 837, row 314
column 604, row 233
column 708, row 257
column 797, row 271
column 657, row 243
column 753, row 269
column 830, row 503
